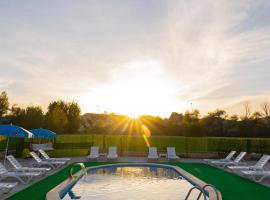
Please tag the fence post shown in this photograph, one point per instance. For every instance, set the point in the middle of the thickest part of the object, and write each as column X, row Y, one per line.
column 104, row 143
column 248, row 145
column 121, row 145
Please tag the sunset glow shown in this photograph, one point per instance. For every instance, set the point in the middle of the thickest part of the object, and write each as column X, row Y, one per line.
column 137, row 57
column 135, row 89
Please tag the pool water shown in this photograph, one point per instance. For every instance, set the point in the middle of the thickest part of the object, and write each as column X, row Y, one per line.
column 136, row 183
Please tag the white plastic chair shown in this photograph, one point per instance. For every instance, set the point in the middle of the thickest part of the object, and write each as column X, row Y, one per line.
column 257, row 176
column 153, row 155
column 112, row 153
column 5, row 187
column 39, row 162
column 94, row 153
column 234, row 162
column 227, row 158
column 47, row 157
column 171, row 154
column 22, row 177
column 258, row 166
column 18, row 167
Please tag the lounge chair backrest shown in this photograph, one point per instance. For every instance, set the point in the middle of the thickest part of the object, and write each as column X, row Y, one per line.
column 35, row 156
column 94, row 150
column 153, row 151
column 14, row 162
column 3, row 170
column 263, row 160
column 230, row 155
column 46, row 146
column 44, row 154
column 240, row 156
column 112, row 150
column 171, row 151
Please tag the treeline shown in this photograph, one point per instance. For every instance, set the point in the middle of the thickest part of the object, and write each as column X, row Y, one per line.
column 61, row 116
column 216, row 123
column 65, row 117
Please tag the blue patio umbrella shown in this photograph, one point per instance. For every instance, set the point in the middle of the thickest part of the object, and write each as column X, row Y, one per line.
column 43, row 133
column 13, row 131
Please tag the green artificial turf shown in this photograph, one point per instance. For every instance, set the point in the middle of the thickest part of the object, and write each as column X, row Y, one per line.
column 232, row 187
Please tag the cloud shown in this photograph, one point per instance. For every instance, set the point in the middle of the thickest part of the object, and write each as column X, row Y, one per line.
column 208, row 47
column 215, row 53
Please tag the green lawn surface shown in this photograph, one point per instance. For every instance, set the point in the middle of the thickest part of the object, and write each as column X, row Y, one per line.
column 232, row 187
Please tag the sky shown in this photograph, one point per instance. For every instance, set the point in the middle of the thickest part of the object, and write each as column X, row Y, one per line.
column 136, row 57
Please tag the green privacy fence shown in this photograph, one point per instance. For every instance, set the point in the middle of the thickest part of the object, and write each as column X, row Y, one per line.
column 78, row 145
column 15, row 144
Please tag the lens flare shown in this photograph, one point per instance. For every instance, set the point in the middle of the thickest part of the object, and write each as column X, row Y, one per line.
column 146, row 134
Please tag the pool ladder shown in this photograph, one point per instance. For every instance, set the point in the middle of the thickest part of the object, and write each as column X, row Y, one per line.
column 202, row 191
column 70, row 173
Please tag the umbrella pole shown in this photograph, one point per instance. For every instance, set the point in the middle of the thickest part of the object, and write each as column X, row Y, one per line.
column 6, row 151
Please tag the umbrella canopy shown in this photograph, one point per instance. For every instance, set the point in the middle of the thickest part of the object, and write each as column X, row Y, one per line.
column 14, row 131
column 43, row 133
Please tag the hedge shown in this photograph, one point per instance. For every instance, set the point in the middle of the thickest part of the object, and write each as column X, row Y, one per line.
column 79, row 145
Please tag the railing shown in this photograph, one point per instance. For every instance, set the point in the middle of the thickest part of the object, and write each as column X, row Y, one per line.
column 70, row 173
column 198, row 188
column 211, row 186
column 203, row 191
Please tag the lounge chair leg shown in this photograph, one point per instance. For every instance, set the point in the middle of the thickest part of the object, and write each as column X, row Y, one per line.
column 21, row 180
column 261, row 179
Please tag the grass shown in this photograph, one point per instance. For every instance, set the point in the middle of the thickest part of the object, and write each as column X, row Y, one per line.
column 231, row 186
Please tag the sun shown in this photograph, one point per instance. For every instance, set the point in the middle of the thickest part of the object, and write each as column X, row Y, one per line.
column 133, row 114
column 136, row 89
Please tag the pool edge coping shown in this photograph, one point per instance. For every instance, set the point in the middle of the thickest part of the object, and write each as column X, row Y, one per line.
column 53, row 194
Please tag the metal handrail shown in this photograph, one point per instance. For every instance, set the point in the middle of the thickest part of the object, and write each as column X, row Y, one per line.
column 198, row 188
column 211, row 186
column 71, row 169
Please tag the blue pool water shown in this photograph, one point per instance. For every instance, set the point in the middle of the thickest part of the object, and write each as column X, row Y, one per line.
column 131, row 182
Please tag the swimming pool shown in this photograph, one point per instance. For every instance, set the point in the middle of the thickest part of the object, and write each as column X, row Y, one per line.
column 131, row 181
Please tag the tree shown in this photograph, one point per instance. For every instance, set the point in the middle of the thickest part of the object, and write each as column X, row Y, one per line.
column 60, row 104
column 266, row 109
column 176, row 118
column 34, row 117
column 247, row 111
column 4, row 104
column 192, row 126
column 17, row 115
column 57, row 120
column 256, row 115
column 221, row 114
column 193, row 116
column 234, row 118
column 213, row 122
column 71, row 111
column 73, row 116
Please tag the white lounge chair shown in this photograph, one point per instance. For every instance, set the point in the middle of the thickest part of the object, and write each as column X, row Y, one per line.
column 94, row 153
column 171, row 154
column 228, row 158
column 258, row 166
column 257, row 176
column 18, row 167
column 153, row 155
column 22, row 177
column 5, row 187
column 234, row 162
column 112, row 153
column 40, row 163
column 47, row 157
